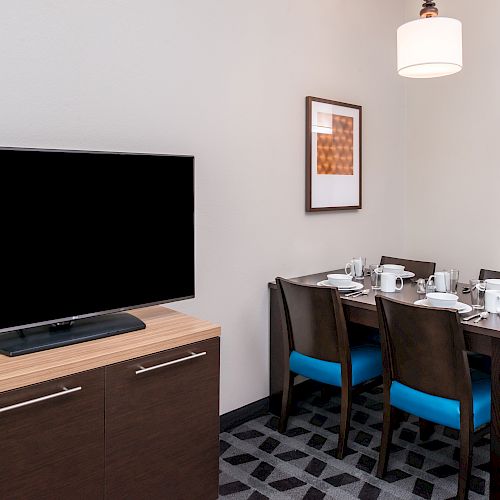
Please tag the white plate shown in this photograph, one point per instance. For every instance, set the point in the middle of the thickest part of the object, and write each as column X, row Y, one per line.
column 461, row 307
column 406, row 275
column 352, row 288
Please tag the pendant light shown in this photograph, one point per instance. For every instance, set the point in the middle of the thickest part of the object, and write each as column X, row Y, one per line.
column 430, row 46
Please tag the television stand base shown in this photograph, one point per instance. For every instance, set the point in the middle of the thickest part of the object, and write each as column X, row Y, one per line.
column 40, row 338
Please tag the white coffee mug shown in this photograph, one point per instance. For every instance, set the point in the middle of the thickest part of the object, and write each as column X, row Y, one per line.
column 388, row 282
column 441, row 280
column 355, row 266
column 492, row 301
column 492, row 284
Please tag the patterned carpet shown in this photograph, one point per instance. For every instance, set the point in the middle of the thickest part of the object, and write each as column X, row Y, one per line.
column 257, row 462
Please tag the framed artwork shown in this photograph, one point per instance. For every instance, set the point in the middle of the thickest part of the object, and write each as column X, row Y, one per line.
column 333, row 155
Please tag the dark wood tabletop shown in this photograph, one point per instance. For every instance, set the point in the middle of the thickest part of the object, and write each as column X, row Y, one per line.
column 489, row 326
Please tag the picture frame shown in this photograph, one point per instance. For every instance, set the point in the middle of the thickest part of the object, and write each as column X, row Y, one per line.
column 333, row 155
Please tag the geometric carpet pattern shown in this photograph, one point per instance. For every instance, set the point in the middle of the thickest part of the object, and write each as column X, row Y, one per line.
column 258, row 463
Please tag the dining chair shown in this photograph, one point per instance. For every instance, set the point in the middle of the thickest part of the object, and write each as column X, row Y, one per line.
column 316, row 345
column 426, row 373
column 421, row 269
column 487, row 274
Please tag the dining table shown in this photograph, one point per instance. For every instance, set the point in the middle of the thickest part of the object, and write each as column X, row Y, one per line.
column 482, row 337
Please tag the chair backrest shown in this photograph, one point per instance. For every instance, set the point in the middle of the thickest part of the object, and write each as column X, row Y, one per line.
column 424, row 348
column 488, row 274
column 314, row 320
column 420, row 268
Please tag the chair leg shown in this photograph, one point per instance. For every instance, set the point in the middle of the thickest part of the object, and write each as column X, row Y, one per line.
column 426, row 429
column 466, row 439
column 390, row 416
column 286, row 402
column 397, row 418
column 345, row 422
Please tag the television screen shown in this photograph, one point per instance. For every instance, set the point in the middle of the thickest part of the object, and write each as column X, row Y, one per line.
column 84, row 233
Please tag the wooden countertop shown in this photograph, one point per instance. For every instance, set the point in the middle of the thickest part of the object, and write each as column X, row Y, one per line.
column 165, row 329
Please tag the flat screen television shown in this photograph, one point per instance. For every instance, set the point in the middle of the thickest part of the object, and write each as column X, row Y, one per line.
column 87, row 235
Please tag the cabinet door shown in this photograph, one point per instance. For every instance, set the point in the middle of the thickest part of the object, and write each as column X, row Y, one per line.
column 162, row 425
column 52, row 439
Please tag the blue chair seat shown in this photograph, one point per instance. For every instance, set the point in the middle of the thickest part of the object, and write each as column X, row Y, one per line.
column 366, row 364
column 442, row 410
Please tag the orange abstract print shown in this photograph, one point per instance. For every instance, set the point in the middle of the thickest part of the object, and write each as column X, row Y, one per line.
column 335, row 150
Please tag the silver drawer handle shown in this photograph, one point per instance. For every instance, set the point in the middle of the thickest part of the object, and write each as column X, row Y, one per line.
column 180, row 360
column 64, row 392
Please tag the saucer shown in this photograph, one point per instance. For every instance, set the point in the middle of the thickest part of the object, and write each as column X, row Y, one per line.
column 406, row 275
column 460, row 307
column 351, row 288
column 352, row 285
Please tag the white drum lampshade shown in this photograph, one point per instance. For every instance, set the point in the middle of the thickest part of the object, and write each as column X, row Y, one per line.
column 430, row 47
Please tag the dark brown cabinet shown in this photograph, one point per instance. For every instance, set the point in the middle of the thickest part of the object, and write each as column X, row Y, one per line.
column 52, row 442
column 162, row 425
column 143, row 428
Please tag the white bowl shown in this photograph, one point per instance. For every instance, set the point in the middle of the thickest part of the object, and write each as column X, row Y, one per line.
column 339, row 279
column 439, row 299
column 393, row 268
column 492, row 284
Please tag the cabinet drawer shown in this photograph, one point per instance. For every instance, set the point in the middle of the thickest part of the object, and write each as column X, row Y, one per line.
column 52, row 442
column 162, row 425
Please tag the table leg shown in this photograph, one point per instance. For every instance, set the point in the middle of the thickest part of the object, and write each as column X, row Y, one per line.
column 276, row 354
column 495, row 420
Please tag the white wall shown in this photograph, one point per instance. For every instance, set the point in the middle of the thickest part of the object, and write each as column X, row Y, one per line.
column 226, row 81
column 452, row 157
